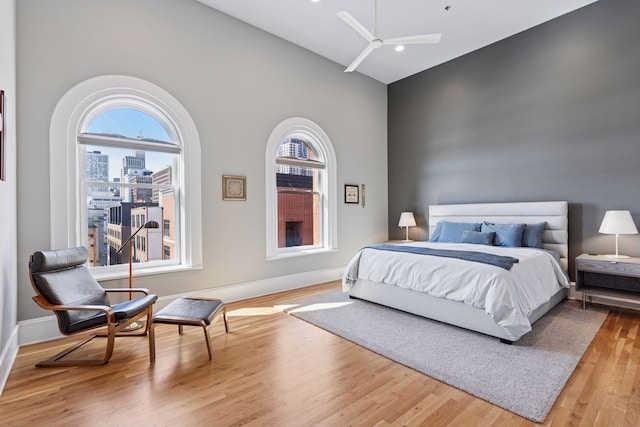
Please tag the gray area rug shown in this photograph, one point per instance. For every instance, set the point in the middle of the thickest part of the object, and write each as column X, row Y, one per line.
column 524, row 378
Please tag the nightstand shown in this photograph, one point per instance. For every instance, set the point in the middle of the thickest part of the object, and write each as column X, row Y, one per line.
column 609, row 277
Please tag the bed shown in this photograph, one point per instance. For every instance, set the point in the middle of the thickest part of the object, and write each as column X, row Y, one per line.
column 489, row 299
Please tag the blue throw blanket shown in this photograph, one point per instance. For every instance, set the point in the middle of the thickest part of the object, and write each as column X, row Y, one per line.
column 501, row 261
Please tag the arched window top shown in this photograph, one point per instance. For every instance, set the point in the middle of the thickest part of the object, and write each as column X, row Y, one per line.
column 297, row 153
column 305, row 131
column 130, row 123
column 297, row 149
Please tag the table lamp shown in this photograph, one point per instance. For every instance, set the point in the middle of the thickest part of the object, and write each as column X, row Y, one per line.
column 618, row 222
column 407, row 220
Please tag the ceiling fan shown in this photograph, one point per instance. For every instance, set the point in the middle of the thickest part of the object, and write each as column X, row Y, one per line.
column 375, row 41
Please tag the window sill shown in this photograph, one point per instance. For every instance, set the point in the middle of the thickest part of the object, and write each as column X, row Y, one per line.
column 302, row 252
column 106, row 276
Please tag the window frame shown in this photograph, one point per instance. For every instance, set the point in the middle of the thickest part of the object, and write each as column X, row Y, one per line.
column 71, row 117
column 97, row 141
column 308, row 131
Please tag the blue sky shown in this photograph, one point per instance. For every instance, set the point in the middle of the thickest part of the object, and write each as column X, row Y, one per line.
column 129, row 123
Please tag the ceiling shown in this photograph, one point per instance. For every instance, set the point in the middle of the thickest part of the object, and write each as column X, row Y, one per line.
column 466, row 25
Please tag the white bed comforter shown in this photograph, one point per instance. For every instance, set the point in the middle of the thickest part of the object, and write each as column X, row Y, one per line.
column 508, row 296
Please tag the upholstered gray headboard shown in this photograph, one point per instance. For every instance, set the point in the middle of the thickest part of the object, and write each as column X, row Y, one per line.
column 555, row 214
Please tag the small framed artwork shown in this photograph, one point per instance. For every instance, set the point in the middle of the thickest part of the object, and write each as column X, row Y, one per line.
column 3, row 131
column 234, row 187
column 351, row 194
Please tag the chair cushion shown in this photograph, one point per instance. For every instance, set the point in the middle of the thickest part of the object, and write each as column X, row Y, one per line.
column 58, row 259
column 189, row 308
column 66, row 288
column 123, row 311
column 70, row 286
column 128, row 309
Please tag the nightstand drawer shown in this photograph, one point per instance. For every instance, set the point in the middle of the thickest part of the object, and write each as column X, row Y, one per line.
column 609, row 267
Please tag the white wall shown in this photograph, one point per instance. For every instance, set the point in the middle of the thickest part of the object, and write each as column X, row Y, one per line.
column 8, row 281
column 238, row 83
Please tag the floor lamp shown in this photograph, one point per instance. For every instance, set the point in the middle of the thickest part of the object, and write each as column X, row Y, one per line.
column 148, row 224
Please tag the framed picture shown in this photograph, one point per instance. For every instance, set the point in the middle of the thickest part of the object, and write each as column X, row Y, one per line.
column 3, row 131
column 351, row 194
column 234, row 187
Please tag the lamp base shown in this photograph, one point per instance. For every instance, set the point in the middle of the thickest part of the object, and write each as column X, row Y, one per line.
column 406, row 241
column 617, row 256
column 133, row 327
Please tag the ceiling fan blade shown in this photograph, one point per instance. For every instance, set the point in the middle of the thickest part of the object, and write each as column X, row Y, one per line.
column 424, row 38
column 353, row 23
column 367, row 50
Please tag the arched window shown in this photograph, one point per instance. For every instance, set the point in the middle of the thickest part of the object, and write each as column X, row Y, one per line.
column 301, row 190
column 129, row 155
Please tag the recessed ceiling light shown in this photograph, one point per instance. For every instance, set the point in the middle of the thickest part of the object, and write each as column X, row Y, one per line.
column 399, row 48
column 315, row 1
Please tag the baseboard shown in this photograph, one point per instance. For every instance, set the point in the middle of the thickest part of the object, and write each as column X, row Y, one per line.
column 573, row 294
column 37, row 330
column 240, row 291
column 46, row 328
column 7, row 358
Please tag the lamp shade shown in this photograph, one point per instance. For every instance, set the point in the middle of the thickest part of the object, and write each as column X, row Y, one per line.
column 151, row 224
column 618, row 222
column 407, row 220
column 148, row 224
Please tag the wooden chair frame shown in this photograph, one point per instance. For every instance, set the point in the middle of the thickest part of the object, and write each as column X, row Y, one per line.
column 111, row 330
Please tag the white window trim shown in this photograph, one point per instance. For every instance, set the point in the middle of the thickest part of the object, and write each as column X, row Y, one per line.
column 306, row 130
column 76, row 108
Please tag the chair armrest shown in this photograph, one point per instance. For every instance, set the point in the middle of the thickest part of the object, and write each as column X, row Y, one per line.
column 42, row 302
column 141, row 290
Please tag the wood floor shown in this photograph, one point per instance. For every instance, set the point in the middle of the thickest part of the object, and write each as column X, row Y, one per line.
column 275, row 370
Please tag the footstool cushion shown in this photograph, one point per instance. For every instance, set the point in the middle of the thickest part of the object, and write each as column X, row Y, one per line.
column 190, row 311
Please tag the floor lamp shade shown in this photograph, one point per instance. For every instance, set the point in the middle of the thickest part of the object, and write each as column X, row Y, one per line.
column 618, row 222
column 407, row 220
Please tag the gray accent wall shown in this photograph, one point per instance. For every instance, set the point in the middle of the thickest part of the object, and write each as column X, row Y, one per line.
column 552, row 113
column 238, row 83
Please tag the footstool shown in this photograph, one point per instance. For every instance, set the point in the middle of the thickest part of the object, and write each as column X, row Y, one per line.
column 189, row 311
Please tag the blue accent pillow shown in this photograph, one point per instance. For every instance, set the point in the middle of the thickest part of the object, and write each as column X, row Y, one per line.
column 478, row 237
column 532, row 236
column 451, row 232
column 509, row 235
